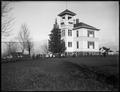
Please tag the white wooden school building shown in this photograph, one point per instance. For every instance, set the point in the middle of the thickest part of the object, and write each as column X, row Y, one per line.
column 79, row 37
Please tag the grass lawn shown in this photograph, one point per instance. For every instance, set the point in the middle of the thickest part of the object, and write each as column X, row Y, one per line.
column 59, row 74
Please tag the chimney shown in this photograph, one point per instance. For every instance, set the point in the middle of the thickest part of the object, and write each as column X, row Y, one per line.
column 77, row 21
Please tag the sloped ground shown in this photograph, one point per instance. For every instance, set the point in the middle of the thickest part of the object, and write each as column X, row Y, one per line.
column 51, row 74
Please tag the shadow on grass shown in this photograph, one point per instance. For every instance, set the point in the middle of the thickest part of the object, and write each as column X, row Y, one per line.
column 110, row 80
column 29, row 77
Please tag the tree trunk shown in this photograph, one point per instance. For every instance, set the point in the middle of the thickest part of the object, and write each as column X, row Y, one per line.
column 29, row 52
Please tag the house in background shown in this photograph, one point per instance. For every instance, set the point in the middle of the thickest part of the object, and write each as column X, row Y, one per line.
column 80, row 38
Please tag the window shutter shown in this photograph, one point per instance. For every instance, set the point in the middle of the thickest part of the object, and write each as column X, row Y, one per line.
column 77, row 44
column 77, row 33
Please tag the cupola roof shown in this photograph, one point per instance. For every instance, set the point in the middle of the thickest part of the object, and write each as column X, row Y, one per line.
column 67, row 12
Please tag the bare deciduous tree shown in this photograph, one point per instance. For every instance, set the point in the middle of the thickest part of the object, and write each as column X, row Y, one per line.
column 7, row 21
column 24, row 39
column 11, row 47
column 29, row 46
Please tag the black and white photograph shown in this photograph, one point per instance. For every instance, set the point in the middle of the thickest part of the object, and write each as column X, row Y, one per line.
column 59, row 45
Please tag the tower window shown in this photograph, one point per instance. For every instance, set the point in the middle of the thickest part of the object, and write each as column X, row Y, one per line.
column 62, row 23
column 70, row 22
column 77, row 44
column 77, row 33
column 69, row 18
column 63, row 17
column 69, row 32
column 69, row 44
column 91, row 45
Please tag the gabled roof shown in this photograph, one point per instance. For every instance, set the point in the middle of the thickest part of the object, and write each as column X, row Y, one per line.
column 83, row 25
column 67, row 12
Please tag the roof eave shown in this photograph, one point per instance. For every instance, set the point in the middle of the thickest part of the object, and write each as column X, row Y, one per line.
column 86, row 28
column 66, row 13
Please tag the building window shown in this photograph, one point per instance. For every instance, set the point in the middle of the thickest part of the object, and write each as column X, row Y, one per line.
column 63, row 17
column 70, row 22
column 91, row 45
column 69, row 32
column 90, row 33
column 69, row 17
column 69, row 44
column 63, row 33
column 62, row 23
column 77, row 44
column 77, row 33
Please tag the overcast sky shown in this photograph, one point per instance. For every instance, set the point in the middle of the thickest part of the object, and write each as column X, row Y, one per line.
column 40, row 17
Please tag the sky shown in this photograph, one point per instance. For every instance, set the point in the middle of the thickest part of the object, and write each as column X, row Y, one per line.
column 40, row 17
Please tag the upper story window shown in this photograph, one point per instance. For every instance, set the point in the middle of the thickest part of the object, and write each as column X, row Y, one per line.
column 77, row 44
column 62, row 23
column 91, row 44
column 77, row 33
column 63, row 17
column 90, row 33
column 63, row 33
column 69, row 32
column 69, row 44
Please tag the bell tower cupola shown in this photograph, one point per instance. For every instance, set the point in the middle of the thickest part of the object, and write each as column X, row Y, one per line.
column 67, row 18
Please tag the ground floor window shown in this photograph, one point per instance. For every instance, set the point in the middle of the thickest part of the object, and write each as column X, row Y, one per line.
column 91, row 44
column 69, row 44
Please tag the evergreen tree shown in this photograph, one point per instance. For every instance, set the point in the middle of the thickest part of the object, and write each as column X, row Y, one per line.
column 56, row 45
